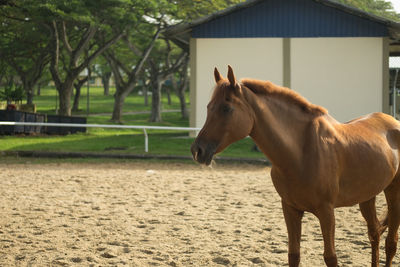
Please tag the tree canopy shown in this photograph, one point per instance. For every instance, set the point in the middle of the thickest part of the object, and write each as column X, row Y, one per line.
column 64, row 37
column 380, row 8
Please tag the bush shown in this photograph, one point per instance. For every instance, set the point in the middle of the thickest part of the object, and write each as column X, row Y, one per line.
column 12, row 93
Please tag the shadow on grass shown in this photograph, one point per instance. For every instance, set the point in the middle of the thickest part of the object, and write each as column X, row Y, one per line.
column 119, row 143
column 177, row 144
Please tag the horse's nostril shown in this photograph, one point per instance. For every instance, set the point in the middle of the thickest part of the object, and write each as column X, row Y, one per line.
column 196, row 151
column 202, row 151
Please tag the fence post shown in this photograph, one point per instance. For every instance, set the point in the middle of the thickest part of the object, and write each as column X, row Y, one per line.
column 146, row 141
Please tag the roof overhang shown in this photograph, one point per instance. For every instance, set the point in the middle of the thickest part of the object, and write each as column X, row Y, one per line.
column 394, row 49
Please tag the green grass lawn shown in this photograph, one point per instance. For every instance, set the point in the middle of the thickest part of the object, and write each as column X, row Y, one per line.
column 99, row 103
column 119, row 141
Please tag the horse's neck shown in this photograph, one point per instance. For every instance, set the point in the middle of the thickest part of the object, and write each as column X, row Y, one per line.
column 279, row 130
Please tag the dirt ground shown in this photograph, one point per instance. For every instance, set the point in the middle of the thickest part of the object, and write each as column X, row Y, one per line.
column 154, row 214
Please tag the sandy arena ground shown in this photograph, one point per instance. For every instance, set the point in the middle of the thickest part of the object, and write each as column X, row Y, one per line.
column 148, row 214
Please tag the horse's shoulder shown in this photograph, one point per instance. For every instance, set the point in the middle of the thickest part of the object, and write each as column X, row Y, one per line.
column 324, row 128
column 324, row 124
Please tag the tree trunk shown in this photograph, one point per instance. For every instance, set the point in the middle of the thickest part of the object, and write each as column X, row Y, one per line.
column 146, row 96
column 145, row 92
column 38, row 90
column 105, row 79
column 78, row 86
column 182, row 100
column 29, row 97
column 167, row 90
column 180, row 91
column 156, row 101
column 29, row 92
column 65, row 98
column 27, row 87
column 75, row 106
column 119, row 100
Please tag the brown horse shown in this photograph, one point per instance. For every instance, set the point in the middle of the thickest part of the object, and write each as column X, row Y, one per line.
column 318, row 164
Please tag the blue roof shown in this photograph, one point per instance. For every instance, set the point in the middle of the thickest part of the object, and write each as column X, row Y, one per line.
column 289, row 18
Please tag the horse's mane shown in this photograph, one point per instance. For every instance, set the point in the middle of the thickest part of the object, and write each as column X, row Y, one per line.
column 268, row 88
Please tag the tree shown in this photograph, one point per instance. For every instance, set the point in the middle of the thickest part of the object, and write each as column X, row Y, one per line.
column 24, row 47
column 78, row 85
column 103, row 70
column 72, row 27
column 11, row 90
column 127, row 73
column 61, row 32
column 44, row 80
column 161, row 68
column 181, row 87
column 145, row 84
column 30, row 71
column 378, row 7
column 189, row 10
column 77, row 36
column 128, row 57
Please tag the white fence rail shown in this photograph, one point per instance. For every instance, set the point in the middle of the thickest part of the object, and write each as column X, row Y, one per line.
column 140, row 127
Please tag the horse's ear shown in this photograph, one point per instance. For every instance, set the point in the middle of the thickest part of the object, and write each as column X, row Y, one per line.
column 231, row 76
column 232, row 79
column 217, row 75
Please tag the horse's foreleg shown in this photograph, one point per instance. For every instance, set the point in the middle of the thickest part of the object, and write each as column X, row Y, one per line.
column 368, row 211
column 326, row 218
column 293, row 223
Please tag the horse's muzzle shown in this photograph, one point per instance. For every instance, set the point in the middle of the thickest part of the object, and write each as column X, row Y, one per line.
column 203, row 152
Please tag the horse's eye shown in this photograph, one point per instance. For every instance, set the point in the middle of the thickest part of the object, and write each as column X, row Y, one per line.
column 226, row 109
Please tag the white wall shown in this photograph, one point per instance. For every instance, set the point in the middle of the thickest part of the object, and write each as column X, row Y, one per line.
column 342, row 74
column 259, row 58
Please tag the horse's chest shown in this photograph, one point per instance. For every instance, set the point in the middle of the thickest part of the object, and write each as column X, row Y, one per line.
column 301, row 192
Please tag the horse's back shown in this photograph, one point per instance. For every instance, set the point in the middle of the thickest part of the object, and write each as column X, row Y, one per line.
column 375, row 131
column 375, row 121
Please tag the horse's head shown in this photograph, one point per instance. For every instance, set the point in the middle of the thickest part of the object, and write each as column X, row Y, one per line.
column 229, row 119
